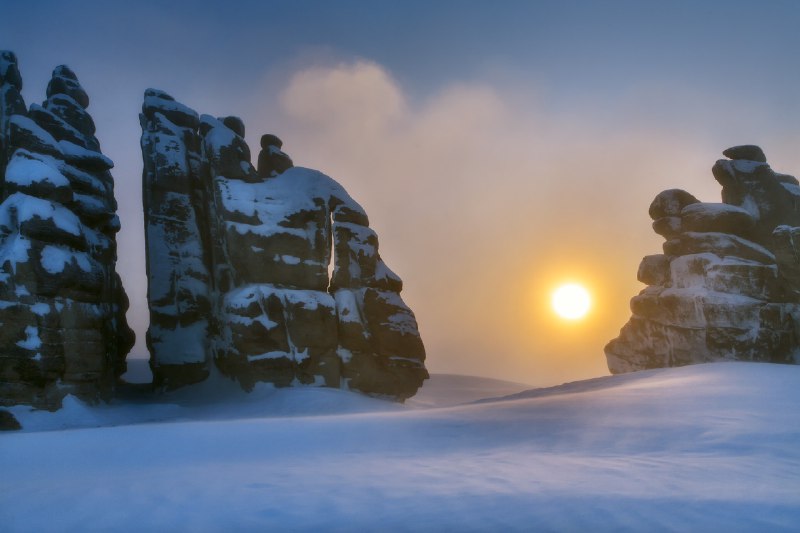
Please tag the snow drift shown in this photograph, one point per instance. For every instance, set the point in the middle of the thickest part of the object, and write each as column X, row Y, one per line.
column 704, row 447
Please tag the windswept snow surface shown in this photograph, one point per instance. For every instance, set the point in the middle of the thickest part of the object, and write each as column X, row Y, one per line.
column 703, row 448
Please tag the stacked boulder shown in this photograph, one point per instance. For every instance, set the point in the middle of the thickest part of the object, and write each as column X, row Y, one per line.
column 727, row 285
column 177, row 265
column 62, row 305
column 238, row 266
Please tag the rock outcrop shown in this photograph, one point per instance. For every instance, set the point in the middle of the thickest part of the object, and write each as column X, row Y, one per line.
column 62, row 305
column 8, row 421
column 238, row 266
column 727, row 286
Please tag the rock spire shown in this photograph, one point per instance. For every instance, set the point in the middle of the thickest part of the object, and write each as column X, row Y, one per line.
column 727, row 285
column 238, row 266
column 62, row 305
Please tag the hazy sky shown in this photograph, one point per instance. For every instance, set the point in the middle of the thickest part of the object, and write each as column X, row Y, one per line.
column 499, row 147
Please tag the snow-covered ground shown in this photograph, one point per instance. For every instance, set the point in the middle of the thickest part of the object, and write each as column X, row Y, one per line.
column 704, row 448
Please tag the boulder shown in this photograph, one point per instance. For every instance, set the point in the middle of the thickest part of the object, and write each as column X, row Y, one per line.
column 747, row 152
column 271, row 160
column 716, row 218
column 8, row 422
column 670, row 203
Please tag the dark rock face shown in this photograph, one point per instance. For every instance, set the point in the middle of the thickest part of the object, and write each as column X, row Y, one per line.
column 62, row 305
column 727, row 286
column 238, row 264
column 8, row 422
column 272, row 161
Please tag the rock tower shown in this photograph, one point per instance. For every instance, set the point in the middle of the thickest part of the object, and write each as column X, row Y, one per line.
column 727, row 286
column 62, row 305
column 238, row 266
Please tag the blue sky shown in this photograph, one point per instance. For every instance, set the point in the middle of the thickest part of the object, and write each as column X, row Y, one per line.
column 498, row 147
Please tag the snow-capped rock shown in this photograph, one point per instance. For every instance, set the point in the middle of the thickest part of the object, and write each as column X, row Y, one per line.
column 254, row 246
column 728, row 283
column 62, row 306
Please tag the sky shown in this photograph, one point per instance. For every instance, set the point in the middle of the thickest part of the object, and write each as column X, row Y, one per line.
column 500, row 149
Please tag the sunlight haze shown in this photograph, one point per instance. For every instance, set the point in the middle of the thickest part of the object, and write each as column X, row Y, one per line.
column 495, row 153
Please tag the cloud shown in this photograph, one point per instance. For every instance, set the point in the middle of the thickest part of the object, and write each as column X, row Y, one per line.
column 484, row 199
column 359, row 96
column 487, row 193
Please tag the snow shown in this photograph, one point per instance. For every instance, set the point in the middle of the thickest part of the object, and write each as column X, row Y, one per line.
column 745, row 166
column 55, row 259
column 32, row 340
column 25, row 168
column 361, row 239
column 702, row 448
column 14, row 250
column 384, row 273
column 73, row 152
column 792, row 188
column 241, row 297
column 44, row 138
column 347, row 305
column 711, row 209
column 157, row 99
column 40, row 309
column 273, row 200
column 268, row 355
column 27, row 207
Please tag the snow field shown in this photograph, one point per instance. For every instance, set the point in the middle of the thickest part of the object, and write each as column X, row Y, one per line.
column 706, row 447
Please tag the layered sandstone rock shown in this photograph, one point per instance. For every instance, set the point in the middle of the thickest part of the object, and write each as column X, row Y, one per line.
column 62, row 305
column 265, row 239
column 727, row 285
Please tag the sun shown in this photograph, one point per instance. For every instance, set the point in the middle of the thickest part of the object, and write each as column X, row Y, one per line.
column 571, row 301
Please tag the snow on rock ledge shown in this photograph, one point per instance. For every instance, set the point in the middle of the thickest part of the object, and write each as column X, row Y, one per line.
column 239, row 256
column 727, row 286
column 62, row 306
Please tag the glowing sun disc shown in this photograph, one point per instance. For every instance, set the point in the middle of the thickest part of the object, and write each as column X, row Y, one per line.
column 571, row 301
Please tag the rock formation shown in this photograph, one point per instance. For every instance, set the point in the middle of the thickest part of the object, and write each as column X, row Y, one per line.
column 62, row 306
column 8, row 421
column 727, row 286
column 238, row 266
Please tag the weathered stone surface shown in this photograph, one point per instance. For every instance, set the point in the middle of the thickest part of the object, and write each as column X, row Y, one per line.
column 667, row 227
column 654, row 270
column 266, row 238
column 786, row 243
column 717, row 218
column 11, row 102
column 179, row 283
column 62, row 306
column 728, row 284
column 670, row 203
column 770, row 198
column 271, row 160
column 748, row 152
column 64, row 81
column 721, row 244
